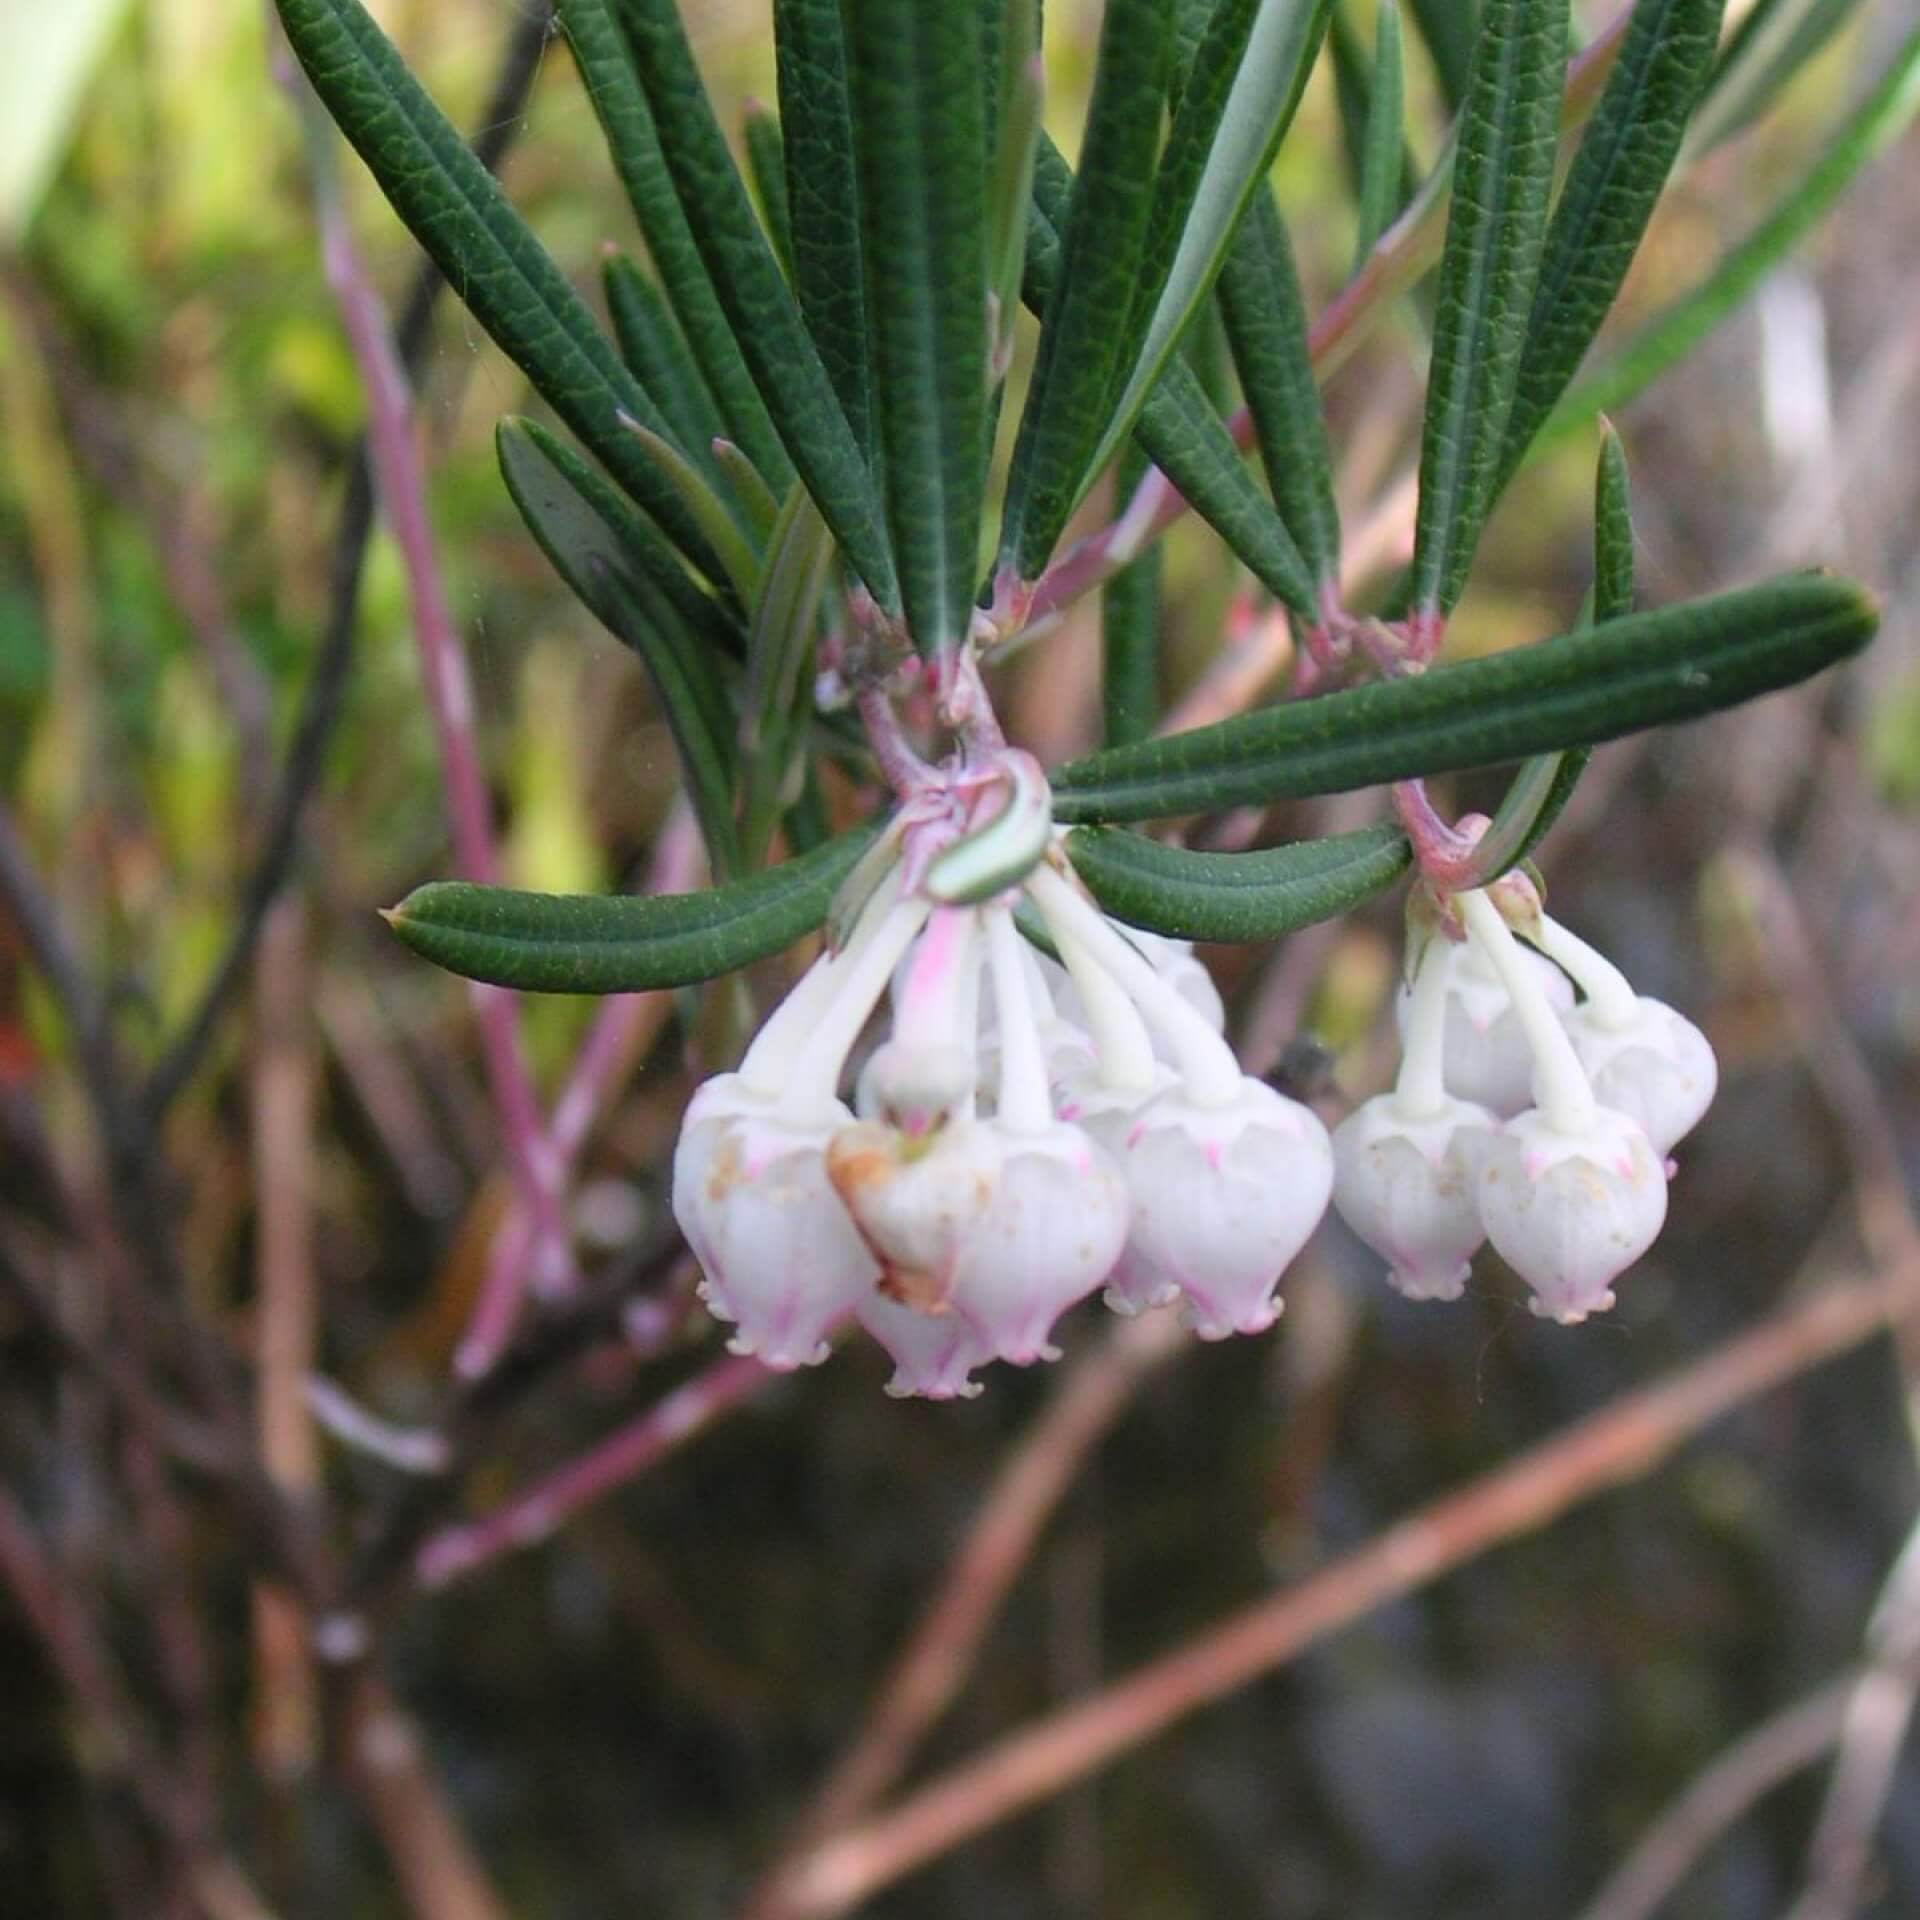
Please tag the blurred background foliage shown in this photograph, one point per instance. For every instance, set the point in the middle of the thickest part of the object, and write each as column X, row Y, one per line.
column 629, row 1716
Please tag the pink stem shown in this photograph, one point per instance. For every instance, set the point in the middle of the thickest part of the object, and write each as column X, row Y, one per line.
column 906, row 773
column 394, row 456
column 533, row 1514
column 607, row 1043
column 1445, row 855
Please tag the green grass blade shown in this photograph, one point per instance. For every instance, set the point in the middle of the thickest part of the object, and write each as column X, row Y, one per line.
column 1084, row 326
column 1267, row 331
column 767, row 167
column 1625, row 156
column 823, row 199
column 756, row 300
column 1503, row 175
column 921, row 149
column 1248, row 75
column 1236, row 896
column 633, row 139
column 460, row 215
column 622, row 943
column 1645, row 670
column 1384, row 148
column 1866, row 131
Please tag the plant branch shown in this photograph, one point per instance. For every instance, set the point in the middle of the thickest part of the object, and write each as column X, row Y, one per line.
column 1619, row 1444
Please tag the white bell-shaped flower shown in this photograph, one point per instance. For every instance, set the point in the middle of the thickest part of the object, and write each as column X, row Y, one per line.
column 1488, row 1061
column 1403, row 1164
column 1569, row 1212
column 1406, row 1186
column 1052, row 1233
column 1224, row 1196
column 1174, row 961
column 934, row 1354
column 1109, row 1114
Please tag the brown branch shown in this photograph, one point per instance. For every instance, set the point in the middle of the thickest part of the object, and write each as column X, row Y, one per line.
column 1617, row 1445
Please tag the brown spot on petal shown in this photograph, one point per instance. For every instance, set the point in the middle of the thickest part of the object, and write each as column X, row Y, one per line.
column 725, row 1171
column 912, row 1286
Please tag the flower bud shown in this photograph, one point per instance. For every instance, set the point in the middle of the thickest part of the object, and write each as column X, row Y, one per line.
column 1571, row 1211
column 1223, row 1198
column 781, row 1257
column 1656, row 1068
column 1487, row 1060
column 1056, row 1224
column 1408, row 1189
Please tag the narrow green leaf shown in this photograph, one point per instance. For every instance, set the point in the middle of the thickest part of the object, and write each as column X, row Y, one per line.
column 621, row 943
column 1771, row 47
column 719, row 522
column 1353, row 95
column 779, row 700
column 1016, row 135
column 920, row 146
column 1502, row 177
column 1625, row 156
column 1236, row 896
column 757, row 505
column 1447, row 27
column 1181, row 429
column 1383, row 153
column 1248, row 75
column 1130, row 632
column 1646, row 670
column 767, row 163
column 1267, row 330
column 823, row 199
column 652, row 345
column 1084, row 326
column 633, row 140
column 1865, row 132
column 459, row 214
column 755, row 299
column 1613, row 567
column 533, row 447
column 594, row 562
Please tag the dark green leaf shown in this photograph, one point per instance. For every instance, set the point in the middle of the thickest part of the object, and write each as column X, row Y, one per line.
column 920, row 146
column 1353, row 94
column 721, row 522
column 755, row 299
column 633, row 139
column 1236, row 896
column 1016, row 133
column 594, row 562
column 1130, row 633
column 1647, row 670
column 1502, row 177
column 757, row 504
column 622, row 943
column 635, row 538
column 767, row 163
column 1866, row 131
column 1384, row 151
column 1613, row 567
column 823, row 198
column 1267, row 328
column 1447, row 28
column 652, row 345
column 1247, row 77
column 1628, row 150
column 1084, row 327
column 457, row 211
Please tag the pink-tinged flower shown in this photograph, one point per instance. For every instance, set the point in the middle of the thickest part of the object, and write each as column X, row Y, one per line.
column 1487, row 1059
column 1108, row 1113
column 1054, row 1228
column 934, row 1354
column 781, row 1256
column 1225, row 1194
column 1570, row 1210
column 1657, row 1067
column 1174, row 962
column 1406, row 1186
column 916, row 1200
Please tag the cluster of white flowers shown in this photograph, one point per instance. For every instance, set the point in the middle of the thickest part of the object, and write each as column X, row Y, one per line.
column 1522, row 1118
column 1026, row 1133
column 1030, row 1131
